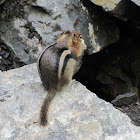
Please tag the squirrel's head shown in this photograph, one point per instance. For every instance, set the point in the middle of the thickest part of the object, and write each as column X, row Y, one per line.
column 74, row 42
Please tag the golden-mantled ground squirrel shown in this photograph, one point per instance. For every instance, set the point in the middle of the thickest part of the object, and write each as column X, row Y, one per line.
column 57, row 64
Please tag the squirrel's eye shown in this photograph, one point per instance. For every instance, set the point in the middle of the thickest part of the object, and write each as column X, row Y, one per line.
column 80, row 36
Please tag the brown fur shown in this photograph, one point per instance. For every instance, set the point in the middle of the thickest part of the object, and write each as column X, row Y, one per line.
column 43, row 110
column 57, row 65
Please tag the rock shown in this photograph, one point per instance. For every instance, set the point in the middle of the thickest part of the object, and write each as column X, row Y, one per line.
column 50, row 19
column 43, row 24
column 116, row 8
column 75, row 113
column 136, row 2
column 7, row 61
column 59, row 19
column 106, row 4
column 50, row 24
column 103, row 31
column 15, row 78
column 133, row 111
column 125, row 99
column 16, row 43
column 2, row 1
column 41, row 27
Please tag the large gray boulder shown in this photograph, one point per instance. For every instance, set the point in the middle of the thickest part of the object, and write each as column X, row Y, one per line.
column 75, row 113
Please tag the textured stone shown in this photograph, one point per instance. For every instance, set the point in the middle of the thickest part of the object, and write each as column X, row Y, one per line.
column 47, row 20
column 15, row 78
column 97, row 32
column 75, row 113
column 56, row 17
column 16, row 42
column 125, row 99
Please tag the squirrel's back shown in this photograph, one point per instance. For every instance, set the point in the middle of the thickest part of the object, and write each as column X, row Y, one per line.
column 56, row 67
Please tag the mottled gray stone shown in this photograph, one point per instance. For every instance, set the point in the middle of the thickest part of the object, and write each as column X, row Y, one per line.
column 58, row 17
column 17, row 43
column 75, row 113
column 50, row 19
column 72, row 15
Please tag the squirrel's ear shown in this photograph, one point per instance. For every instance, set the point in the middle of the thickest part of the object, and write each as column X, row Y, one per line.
column 67, row 32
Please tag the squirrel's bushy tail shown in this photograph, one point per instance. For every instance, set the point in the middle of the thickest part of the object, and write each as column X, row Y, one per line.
column 43, row 118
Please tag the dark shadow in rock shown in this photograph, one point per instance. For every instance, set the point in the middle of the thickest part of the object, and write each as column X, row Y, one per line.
column 7, row 61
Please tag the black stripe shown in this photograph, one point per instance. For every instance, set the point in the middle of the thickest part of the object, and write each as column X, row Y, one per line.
column 44, row 52
column 58, row 58
column 65, row 63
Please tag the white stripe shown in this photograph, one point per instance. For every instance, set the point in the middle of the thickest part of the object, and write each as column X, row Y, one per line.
column 61, row 62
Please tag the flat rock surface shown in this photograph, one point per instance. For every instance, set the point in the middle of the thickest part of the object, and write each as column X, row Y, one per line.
column 75, row 113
